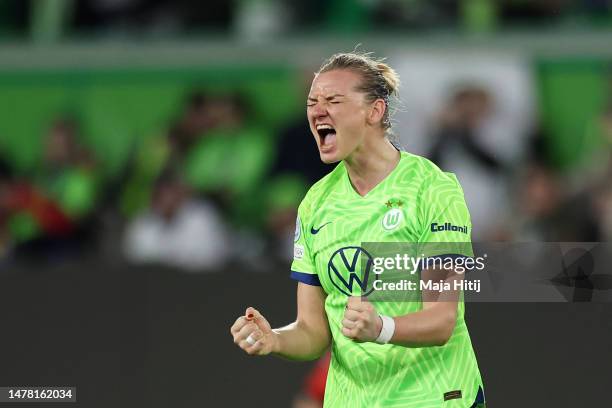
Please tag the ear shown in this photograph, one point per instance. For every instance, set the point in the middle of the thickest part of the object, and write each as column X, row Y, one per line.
column 377, row 111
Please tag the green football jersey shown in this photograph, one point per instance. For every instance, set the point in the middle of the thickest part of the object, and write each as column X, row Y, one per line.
column 415, row 203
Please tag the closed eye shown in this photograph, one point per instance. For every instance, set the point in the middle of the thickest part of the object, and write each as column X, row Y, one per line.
column 313, row 103
column 335, row 98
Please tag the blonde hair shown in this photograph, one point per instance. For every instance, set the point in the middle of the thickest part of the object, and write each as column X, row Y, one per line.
column 379, row 80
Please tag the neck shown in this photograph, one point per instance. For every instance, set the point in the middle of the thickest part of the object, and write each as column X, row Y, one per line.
column 370, row 163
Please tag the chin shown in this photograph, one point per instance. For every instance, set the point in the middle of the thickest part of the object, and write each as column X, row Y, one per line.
column 330, row 158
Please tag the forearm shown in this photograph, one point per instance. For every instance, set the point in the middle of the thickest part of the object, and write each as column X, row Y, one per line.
column 431, row 326
column 300, row 341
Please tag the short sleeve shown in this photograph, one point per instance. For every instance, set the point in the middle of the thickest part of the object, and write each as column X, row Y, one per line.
column 302, row 268
column 445, row 220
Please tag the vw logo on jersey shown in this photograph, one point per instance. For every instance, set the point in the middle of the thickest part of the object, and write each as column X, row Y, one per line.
column 298, row 229
column 343, row 269
column 392, row 219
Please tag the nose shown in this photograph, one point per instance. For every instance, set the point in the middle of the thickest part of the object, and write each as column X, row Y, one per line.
column 318, row 110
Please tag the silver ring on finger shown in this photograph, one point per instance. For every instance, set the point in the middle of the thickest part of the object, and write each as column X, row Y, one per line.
column 251, row 340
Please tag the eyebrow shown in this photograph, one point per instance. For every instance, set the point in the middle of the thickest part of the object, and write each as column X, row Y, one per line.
column 310, row 98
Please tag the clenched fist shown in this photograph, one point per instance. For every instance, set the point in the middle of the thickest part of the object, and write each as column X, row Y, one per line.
column 253, row 333
column 361, row 321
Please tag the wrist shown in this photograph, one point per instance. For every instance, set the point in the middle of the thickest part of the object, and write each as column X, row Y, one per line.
column 387, row 329
column 276, row 342
column 379, row 326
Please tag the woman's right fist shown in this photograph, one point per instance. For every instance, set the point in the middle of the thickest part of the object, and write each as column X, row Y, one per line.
column 253, row 334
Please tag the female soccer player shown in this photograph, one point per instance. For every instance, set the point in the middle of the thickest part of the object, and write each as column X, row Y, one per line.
column 384, row 354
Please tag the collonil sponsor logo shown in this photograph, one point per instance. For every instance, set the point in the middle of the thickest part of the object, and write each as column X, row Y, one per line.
column 447, row 226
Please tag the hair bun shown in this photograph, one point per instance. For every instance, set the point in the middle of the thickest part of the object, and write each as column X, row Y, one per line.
column 391, row 77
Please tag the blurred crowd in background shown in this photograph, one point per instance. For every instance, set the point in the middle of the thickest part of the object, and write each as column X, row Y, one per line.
column 216, row 183
column 210, row 186
column 265, row 17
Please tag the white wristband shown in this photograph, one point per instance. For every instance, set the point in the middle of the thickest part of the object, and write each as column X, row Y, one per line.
column 388, row 328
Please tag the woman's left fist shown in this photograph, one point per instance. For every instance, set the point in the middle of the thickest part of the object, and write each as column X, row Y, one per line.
column 361, row 322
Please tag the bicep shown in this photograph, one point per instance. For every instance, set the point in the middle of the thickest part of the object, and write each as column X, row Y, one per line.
column 446, row 300
column 311, row 307
column 441, row 307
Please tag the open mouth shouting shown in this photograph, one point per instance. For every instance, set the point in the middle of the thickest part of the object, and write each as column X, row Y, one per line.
column 327, row 137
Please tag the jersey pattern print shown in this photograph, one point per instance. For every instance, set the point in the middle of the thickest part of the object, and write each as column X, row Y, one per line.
column 415, row 203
